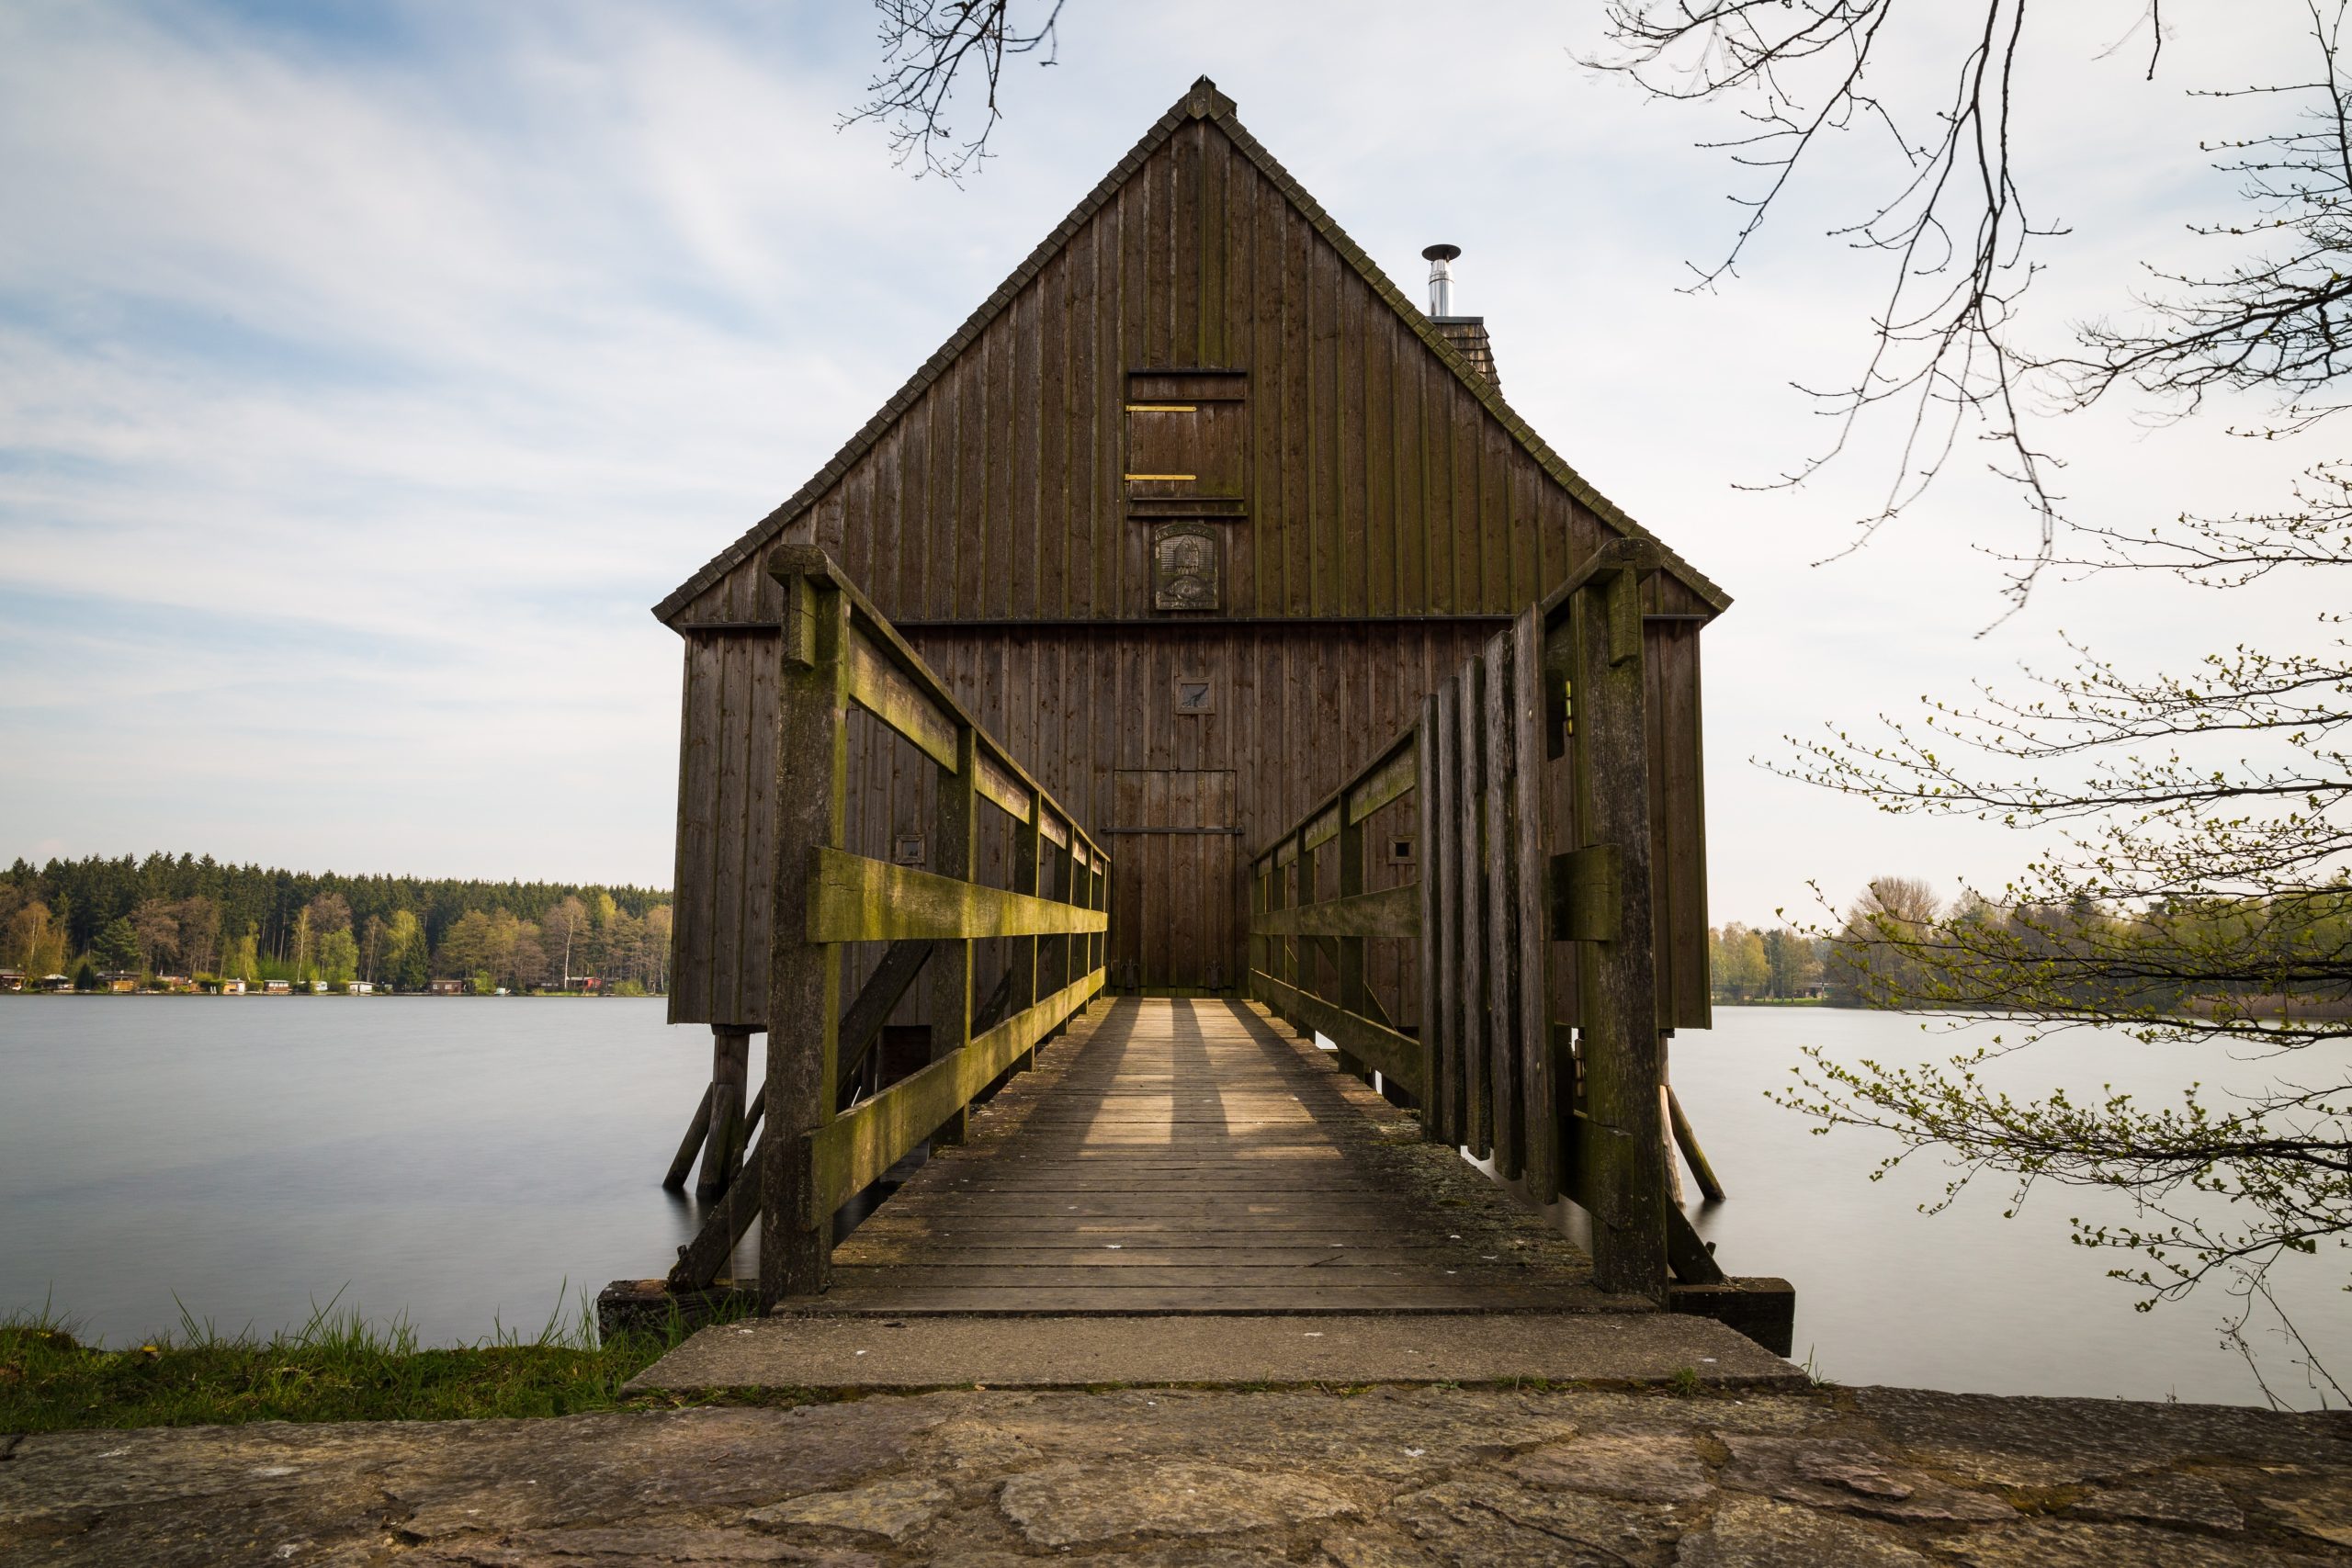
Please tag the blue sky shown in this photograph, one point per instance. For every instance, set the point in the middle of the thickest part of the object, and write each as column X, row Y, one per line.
column 366, row 371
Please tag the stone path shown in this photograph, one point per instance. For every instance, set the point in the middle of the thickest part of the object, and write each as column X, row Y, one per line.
column 1188, row 1156
column 1385, row 1478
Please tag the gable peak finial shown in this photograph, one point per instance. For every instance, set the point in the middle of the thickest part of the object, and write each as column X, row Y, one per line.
column 1202, row 99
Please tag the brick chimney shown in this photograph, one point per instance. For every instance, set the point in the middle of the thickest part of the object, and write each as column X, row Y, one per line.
column 1466, row 334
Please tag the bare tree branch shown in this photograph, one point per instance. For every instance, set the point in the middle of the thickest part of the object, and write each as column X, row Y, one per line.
column 926, row 46
column 1955, row 233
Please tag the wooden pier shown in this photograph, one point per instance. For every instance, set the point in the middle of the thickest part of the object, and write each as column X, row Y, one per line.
column 1199, row 628
column 1192, row 1156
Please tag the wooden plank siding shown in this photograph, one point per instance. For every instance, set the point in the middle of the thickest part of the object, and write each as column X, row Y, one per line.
column 1090, row 709
column 1380, row 484
column 1393, row 513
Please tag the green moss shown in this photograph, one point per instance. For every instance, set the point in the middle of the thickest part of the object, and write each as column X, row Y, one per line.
column 335, row 1367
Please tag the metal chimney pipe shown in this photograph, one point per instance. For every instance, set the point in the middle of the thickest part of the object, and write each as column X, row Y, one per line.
column 1440, row 278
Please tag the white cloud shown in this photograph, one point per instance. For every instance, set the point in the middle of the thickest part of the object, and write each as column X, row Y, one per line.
column 356, row 397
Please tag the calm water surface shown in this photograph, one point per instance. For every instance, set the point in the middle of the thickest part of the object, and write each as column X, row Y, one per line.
column 468, row 1162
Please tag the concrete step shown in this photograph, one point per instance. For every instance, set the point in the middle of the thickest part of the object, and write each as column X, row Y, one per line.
column 876, row 1353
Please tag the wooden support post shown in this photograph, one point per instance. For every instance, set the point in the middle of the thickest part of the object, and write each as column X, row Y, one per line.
column 1444, row 1022
column 1433, row 1112
column 1501, row 861
column 1709, row 1187
column 697, row 1134
column 804, row 977
column 1029, row 846
column 730, row 1056
column 1253, row 945
column 1623, row 1135
column 1547, row 1080
column 1354, row 997
column 1470, row 799
column 877, row 999
column 1301, row 973
column 956, row 825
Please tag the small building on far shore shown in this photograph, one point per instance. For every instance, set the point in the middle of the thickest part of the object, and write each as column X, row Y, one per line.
column 360, row 988
column 57, row 982
column 122, row 982
column 446, row 987
column 12, row 979
column 233, row 986
column 277, row 987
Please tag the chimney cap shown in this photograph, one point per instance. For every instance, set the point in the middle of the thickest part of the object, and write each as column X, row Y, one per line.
column 1440, row 252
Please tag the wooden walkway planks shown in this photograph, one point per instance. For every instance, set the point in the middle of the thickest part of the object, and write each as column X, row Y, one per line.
column 1194, row 1156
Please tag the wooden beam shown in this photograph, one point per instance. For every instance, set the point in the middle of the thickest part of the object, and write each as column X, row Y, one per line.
column 882, row 689
column 811, row 763
column 1545, row 1079
column 955, row 830
column 1708, row 1185
column 1622, row 1142
column 1392, row 1055
column 853, row 897
column 697, row 1131
column 862, row 1024
column 1002, row 786
column 1507, row 1059
column 1587, row 895
column 1392, row 911
column 1687, row 1254
column 810, row 564
column 729, row 1070
column 722, row 1229
column 855, row 1150
column 1424, row 797
column 1391, row 779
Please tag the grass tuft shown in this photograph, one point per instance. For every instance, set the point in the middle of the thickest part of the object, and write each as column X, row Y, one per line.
column 336, row 1366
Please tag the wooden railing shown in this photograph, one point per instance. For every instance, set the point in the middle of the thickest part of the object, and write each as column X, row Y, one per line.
column 815, row 1155
column 1499, row 890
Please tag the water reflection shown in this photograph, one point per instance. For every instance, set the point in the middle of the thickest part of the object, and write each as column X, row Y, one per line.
column 465, row 1161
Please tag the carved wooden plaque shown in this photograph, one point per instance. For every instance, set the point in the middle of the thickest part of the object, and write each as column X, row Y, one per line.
column 1184, row 567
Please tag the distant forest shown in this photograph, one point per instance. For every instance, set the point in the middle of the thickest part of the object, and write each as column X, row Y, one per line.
column 197, row 917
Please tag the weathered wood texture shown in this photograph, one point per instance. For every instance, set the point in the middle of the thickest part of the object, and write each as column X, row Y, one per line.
column 1378, row 511
column 835, row 652
column 1538, row 781
column 1188, row 1156
column 1381, row 474
column 1092, row 712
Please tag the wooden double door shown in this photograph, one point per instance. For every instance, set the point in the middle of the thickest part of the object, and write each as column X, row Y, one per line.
column 1175, row 883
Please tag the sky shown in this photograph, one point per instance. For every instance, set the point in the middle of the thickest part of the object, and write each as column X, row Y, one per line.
column 367, row 371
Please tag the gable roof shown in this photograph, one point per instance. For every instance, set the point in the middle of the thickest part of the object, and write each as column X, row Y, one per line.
column 1202, row 102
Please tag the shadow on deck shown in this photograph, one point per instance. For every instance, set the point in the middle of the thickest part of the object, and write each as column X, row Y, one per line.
column 1190, row 1157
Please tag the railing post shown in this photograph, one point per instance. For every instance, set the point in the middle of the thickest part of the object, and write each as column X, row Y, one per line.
column 1432, row 831
column 1622, row 1142
column 1099, row 945
column 956, row 823
column 1354, row 999
column 1444, row 868
column 1028, row 855
column 804, row 977
column 1300, row 892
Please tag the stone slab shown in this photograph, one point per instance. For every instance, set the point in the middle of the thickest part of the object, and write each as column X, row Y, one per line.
column 1386, row 1477
column 878, row 1354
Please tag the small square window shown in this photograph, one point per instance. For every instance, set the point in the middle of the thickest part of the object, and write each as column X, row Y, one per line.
column 907, row 850
column 1400, row 850
column 1196, row 694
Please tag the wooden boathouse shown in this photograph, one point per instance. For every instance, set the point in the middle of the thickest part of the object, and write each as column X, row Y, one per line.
column 1227, row 575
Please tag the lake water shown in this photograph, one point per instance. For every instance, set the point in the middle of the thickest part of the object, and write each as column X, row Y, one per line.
column 467, row 1163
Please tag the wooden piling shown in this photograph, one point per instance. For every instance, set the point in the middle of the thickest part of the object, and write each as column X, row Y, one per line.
column 804, row 975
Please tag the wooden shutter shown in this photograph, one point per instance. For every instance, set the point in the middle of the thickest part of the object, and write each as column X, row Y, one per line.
column 1188, row 443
